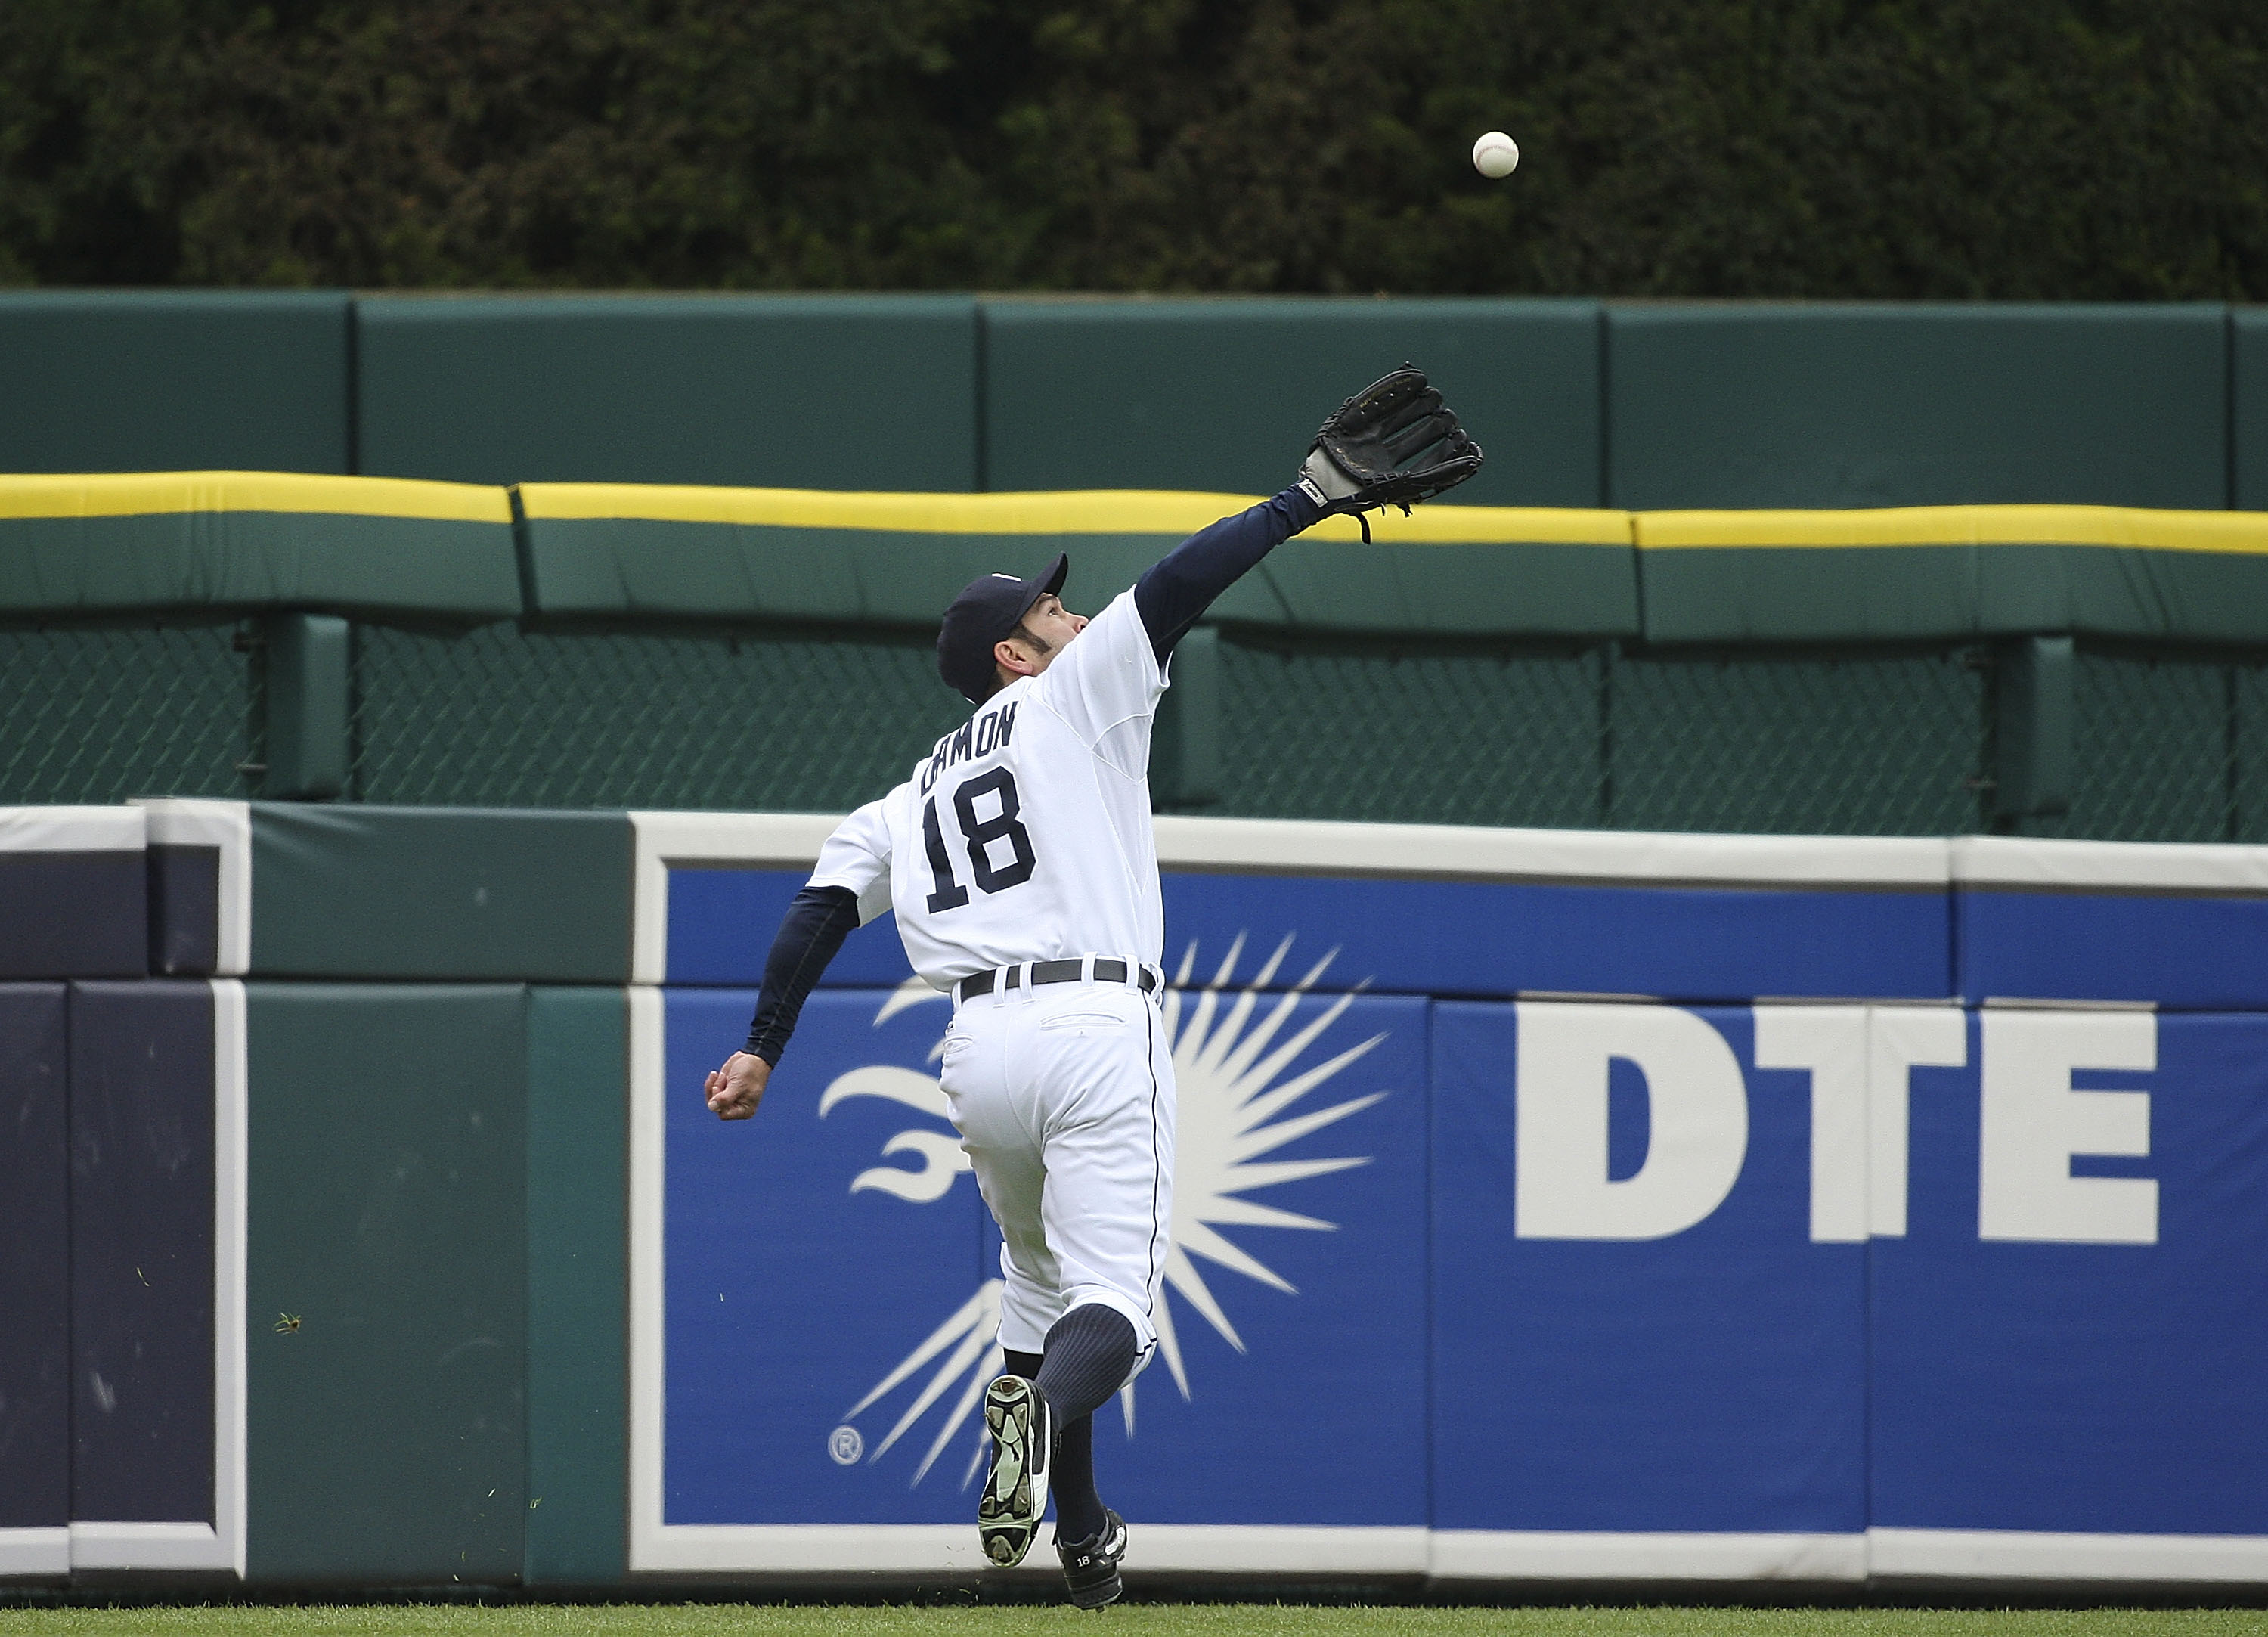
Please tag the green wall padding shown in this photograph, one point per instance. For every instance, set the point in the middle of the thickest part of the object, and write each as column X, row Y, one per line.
column 173, row 381
column 436, row 893
column 815, row 392
column 386, row 1438
column 180, row 540
column 1891, row 593
column 1226, row 395
column 1524, row 590
column 578, row 1286
column 651, row 567
column 2249, row 408
column 1836, row 405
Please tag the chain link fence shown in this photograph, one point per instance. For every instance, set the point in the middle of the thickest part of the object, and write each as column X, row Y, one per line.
column 97, row 713
column 2169, row 746
column 497, row 717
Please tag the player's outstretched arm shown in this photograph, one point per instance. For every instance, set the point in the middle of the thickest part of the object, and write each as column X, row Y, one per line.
column 1393, row 443
column 1181, row 585
column 811, row 930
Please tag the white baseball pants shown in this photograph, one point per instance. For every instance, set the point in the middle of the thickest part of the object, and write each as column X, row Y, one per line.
column 1064, row 1096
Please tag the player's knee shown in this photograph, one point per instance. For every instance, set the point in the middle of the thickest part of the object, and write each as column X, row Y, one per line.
column 1091, row 1352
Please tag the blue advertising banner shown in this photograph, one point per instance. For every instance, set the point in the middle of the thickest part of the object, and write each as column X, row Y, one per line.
column 1533, row 1224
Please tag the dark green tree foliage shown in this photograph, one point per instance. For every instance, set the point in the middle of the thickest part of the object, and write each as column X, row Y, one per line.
column 2048, row 149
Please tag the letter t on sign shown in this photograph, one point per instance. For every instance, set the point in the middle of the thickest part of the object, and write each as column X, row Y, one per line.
column 1860, row 1058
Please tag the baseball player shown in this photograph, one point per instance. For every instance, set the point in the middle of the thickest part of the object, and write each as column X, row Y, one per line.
column 1020, row 862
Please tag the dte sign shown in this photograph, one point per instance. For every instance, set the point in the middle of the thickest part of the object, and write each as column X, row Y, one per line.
column 2032, row 1119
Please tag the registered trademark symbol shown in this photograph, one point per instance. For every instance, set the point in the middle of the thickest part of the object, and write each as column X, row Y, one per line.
column 844, row 1444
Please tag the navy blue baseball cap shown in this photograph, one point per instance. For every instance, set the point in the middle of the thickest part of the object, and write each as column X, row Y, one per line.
column 986, row 611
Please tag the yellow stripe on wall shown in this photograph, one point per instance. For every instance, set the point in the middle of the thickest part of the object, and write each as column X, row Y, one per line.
column 1122, row 511
column 1071, row 511
column 139, row 494
column 1961, row 526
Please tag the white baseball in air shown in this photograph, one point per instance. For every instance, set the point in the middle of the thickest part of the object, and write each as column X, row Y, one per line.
column 1495, row 154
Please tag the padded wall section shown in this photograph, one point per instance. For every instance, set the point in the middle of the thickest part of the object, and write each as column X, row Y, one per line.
column 1461, row 935
column 243, row 539
column 173, row 381
column 2249, row 408
column 1870, row 406
column 73, row 914
column 900, row 559
column 34, row 1258
column 142, row 1251
column 1633, row 1329
column 386, row 1441
column 184, row 909
column 2170, row 949
column 1228, row 394
column 578, row 1106
column 670, row 390
column 439, row 893
column 1939, row 573
column 2059, row 1343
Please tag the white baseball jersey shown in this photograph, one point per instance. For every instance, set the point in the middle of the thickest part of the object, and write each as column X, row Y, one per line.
column 1025, row 836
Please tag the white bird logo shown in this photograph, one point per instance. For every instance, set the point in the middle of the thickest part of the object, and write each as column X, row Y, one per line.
column 1234, row 1111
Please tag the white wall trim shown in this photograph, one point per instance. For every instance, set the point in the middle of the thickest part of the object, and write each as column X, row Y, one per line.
column 34, row 1552
column 651, row 1546
column 1546, row 1554
column 2040, row 862
column 745, row 840
column 71, row 830
column 180, row 822
column 2020, row 1554
column 232, row 1199
column 150, row 1546
column 808, row 1548
column 1286, row 1548
column 1605, row 857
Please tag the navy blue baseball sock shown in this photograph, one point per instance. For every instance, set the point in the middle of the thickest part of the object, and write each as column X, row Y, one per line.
column 1091, row 1352
column 1079, row 1510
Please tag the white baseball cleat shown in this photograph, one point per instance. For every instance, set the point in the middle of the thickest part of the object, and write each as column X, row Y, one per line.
column 1016, row 1489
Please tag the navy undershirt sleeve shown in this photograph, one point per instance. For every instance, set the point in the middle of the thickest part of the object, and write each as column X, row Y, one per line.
column 810, row 932
column 1181, row 585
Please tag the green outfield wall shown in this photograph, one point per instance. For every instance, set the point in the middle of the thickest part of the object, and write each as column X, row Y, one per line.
column 1646, row 406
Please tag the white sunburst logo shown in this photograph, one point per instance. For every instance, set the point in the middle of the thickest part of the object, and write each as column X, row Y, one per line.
column 1234, row 1110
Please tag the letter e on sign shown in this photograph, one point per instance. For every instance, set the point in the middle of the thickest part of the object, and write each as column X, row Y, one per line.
column 2033, row 1121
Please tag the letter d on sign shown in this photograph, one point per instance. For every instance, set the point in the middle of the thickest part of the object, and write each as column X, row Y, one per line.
column 1697, row 1109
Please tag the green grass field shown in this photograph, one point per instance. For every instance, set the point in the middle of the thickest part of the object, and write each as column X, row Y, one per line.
column 1140, row 1621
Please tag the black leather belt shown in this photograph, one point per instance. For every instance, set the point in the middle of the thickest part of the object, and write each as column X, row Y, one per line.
column 1106, row 971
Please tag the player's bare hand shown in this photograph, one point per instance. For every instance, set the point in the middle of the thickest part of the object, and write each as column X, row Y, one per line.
column 734, row 1090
